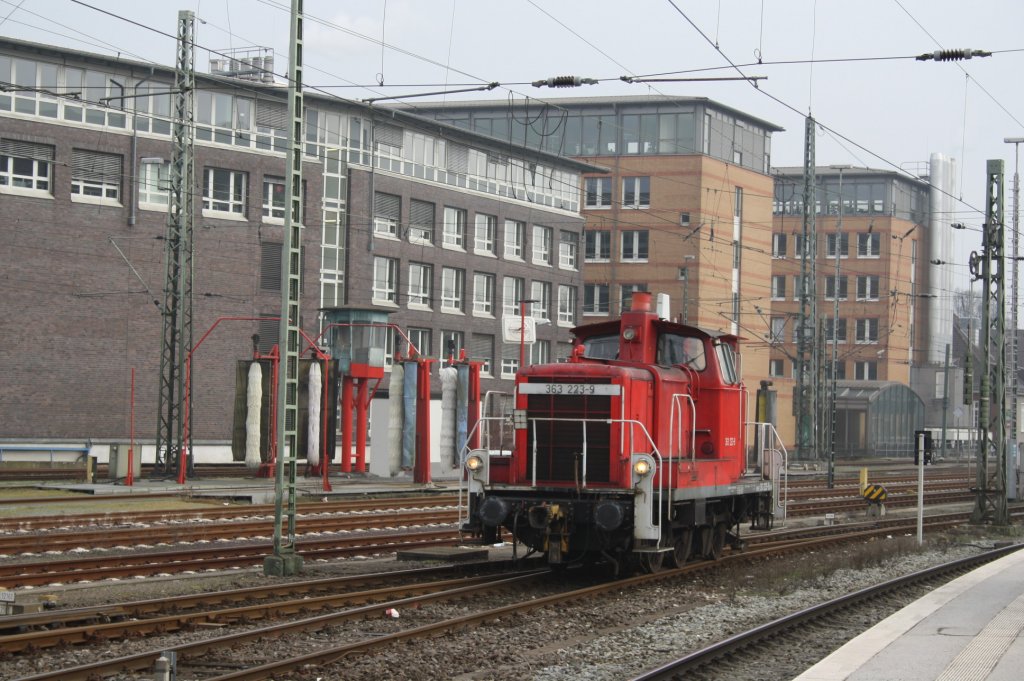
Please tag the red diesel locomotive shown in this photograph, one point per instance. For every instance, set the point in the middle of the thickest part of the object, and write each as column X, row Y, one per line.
column 634, row 449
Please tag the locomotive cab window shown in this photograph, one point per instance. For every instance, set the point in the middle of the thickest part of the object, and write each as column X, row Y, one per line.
column 674, row 348
column 727, row 362
column 601, row 347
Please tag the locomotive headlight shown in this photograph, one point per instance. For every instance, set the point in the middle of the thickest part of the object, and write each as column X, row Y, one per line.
column 641, row 467
column 474, row 463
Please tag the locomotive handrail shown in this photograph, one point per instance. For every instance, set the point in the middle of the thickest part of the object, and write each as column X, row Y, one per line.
column 677, row 402
column 768, row 439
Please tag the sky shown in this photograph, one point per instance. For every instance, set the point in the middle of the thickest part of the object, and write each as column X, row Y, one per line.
column 849, row 63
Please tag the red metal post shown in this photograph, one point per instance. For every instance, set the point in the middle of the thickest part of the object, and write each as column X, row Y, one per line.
column 421, row 467
column 362, row 403
column 346, row 424
column 473, row 413
column 325, row 456
column 130, row 478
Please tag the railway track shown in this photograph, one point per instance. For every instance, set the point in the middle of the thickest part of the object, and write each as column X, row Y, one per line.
column 242, row 654
column 834, row 622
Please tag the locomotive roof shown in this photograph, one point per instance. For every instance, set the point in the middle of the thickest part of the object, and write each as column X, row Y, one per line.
column 613, row 325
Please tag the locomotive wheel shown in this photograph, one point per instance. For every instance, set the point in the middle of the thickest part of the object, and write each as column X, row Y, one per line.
column 717, row 541
column 681, row 547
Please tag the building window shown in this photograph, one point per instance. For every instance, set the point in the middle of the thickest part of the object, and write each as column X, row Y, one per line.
column 634, row 246
column 273, row 198
column 540, row 291
column 599, row 192
column 385, row 280
column 25, row 165
column 830, row 288
column 483, row 237
column 776, row 368
column 636, row 192
column 778, row 245
column 541, row 352
column 595, row 299
column 839, row 367
column 509, row 360
column 839, row 327
column 778, row 287
column 454, row 228
column 453, row 289
column 452, row 343
column 483, row 294
column 387, row 214
column 542, row 245
column 867, row 287
column 421, row 222
column 223, row 118
column 778, row 330
column 154, row 184
column 420, row 338
column 597, row 246
column 481, row 349
column 865, row 371
column 513, row 289
column 844, row 245
column 566, row 305
column 515, row 235
column 797, row 288
column 224, row 191
column 869, row 245
column 867, row 330
column 626, row 292
column 568, row 250
column 95, row 175
column 420, row 279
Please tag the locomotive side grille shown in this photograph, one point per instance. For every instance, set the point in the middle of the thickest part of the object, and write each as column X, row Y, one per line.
column 560, row 443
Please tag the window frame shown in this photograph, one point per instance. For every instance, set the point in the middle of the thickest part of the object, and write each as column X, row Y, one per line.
column 484, row 244
column 481, row 302
column 513, row 239
column 566, row 305
column 455, row 300
column 599, row 306
column 420, row 286
column 453, row 230
column 600, row 188
column 598, row 241
column 634, row 192
column 639, row 246
column 234, row 207
column 543, row 240
column 389, row 280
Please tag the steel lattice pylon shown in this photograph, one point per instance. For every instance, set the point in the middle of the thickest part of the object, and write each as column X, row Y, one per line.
column 805, row 404
column 177, row 308
column 990, row 502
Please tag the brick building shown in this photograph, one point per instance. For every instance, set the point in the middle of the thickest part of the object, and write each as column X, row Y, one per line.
column 444, row 228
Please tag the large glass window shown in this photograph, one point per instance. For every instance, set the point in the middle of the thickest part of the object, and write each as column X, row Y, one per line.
column 154, row 184
column 568, row 247
column 540, row 293
column 869, row 245
column 515, row 237
column 454, row 228
column 636, row 192
column 387, row 214
column 830, row 288
column 566, row 305
column 595, row 299
column 223, row 118
column 25, row 165
column 867, row 330
column 599, row 192
column 844, row 245
column 421, row 222
column 865, row 371
column 385, row 280
column 273, row 198
column 484, row 235
column 453, row 289
column 483, row 294
column 542, row 238
column 512, row 292
column 95, row 175
column 634, row 245
column 597, row 245
column 420, row 284
column 224, row 191
column 867, row 287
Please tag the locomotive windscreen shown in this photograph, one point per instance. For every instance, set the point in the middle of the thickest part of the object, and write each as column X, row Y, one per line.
column 560, row 443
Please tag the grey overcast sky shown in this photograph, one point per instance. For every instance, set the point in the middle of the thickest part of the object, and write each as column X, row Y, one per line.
column 894, row 111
